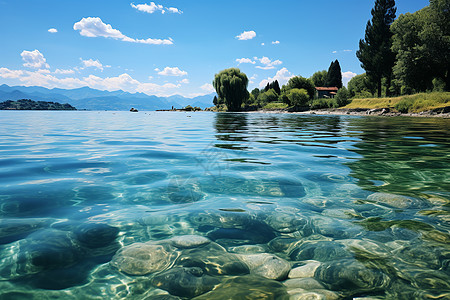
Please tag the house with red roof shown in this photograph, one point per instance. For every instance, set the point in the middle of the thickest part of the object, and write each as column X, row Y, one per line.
column 326, row 92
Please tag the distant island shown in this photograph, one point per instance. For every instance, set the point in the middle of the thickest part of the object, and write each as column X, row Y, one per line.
column 27, row 104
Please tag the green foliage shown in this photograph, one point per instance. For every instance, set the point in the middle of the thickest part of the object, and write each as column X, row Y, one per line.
column 438, row 85
column 323, row 103
column 360, row 85
column 421, row 41
column 26, row 104
column 255, row 93
column 299, row 82
column 275, row 105
column 342, row 97
column 267, row 97
column 231, row 86
column 215, row 101
column 273, row 85
column 334, row 75
column 319, row 78
column 423, row 101
column 298, row 97
column 375, row 51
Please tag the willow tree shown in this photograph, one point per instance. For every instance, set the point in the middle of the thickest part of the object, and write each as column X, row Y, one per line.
column 375, row 51
column 231, row 87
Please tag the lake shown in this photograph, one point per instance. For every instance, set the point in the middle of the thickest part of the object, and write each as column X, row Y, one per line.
column 174, row 205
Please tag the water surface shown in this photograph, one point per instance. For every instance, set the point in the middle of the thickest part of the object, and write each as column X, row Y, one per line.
column 363, row 200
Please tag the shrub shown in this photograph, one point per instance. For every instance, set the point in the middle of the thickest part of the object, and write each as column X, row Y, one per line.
column 324, row 103
column 298, row 97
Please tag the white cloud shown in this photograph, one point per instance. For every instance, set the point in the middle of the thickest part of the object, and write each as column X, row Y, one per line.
column 346, row 76
column 268, row 64
column 94, row 27
column 90, row 63
column 34, row 59
column 246, row 35
column 53, row 30
column 334, row 52
column 121, row 82
column 337, row 51
column 149, row 8
column 348, row 50
column 275, row 42
column 174, row 10
column 245, row 61
column 7, row 73
column 168, row 71
column 65, row 72
column 282, row 76
column 208, row 87
column 185, row 81
column 153, row 7
column 262, row 44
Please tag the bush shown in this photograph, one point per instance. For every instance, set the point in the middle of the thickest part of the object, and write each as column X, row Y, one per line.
column 276, row 105
column 324, row 103
column 298, row 97
column 342, row 97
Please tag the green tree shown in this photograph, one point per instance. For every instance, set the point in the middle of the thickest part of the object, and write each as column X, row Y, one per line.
column 421, row 41
column 342, row 97
column 334, row 75
column 299, row 82
column 215, row 101
column 255, row 92
column 267, row 97
column 360, row 87
column 298, row 97
column 231, row 86
column 375, row 52
column 319, row 78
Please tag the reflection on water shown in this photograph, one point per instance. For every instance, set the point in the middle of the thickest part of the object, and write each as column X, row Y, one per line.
column 112, row 205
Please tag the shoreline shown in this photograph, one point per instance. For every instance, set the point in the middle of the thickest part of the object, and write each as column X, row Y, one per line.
column 381, row 112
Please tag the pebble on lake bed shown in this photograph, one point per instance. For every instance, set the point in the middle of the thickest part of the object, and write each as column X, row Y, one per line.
column 189, row 241
column 144, row 258
column 267, row 265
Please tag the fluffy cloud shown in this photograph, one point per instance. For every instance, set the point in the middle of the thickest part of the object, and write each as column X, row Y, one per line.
column 34, row 59
column 185, row 81
column 174, row 10
column 94, row 27
column 64, row 72
column 282, row 76
column 153, row 7
column 121, row 82
column 275, row 42
column 267, row 64
column 90, row 63
column 346, row 76
column 336, row 51
column 168, row 71
column 53, row 30
column 208, row 87
column 7, row 73
column 246, row 35
column 245, row 61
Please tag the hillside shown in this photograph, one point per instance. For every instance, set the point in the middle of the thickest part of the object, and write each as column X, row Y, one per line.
column 26, row 104
column 92, row 99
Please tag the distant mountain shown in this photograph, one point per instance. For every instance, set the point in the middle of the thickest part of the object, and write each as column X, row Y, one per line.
column 92, row 99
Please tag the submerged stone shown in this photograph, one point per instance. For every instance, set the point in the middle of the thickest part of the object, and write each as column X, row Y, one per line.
column 189, row 241
column 303, row 283
column 185, row 282
column 256, row 233
column 305, row 271
column 247, row 287
column 397, row 201
column 286, row 222
column 351, row 276
column 267, row 265
column 144, row 258
column 95, row 235
column 321, row 251
column 213, row 260
column 247, row 249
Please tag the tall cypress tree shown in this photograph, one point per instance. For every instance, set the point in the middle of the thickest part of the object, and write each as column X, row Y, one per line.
column 334, row 75
column 375, row 51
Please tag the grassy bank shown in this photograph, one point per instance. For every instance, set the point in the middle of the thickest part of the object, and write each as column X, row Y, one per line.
column 405, row 104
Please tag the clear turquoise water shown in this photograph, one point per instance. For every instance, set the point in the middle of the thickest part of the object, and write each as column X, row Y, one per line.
column 296, row 186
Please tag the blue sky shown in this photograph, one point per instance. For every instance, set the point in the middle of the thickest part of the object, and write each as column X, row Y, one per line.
column 172, row 47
